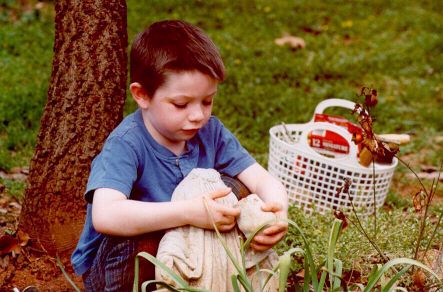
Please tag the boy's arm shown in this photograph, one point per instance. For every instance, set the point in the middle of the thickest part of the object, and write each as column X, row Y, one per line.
column 273, row 193
column 114, row 214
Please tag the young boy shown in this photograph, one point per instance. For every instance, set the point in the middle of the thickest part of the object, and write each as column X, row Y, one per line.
column 175, row 69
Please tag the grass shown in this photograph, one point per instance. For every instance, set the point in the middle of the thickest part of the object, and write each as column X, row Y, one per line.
column 393, row 46
column 26, row 37
column 353, row 249
column 390, row 46
column 13, row 188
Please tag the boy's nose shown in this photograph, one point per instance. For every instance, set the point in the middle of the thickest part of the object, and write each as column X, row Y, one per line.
column 197, row 114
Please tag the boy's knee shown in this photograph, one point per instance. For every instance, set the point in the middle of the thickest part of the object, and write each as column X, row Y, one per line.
column 113, row 268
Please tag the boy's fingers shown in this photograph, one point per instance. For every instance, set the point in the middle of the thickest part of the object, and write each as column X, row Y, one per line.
column 268, row 240
column 230, row 211
column 276, row 228
column 220, row 193
column 226, row 220
column 226, row 227
column 272, row 207
column 260, row 247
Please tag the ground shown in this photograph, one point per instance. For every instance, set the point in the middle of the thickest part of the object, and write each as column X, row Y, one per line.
column 34, row 267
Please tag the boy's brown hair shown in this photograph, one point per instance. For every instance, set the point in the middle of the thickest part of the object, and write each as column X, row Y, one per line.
column 172, row 45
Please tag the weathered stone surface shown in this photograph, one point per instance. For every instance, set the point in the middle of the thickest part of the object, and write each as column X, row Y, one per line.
column 197, row 255
column 252, row 216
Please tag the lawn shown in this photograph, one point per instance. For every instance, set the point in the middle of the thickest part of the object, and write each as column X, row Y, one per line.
column 393, row 46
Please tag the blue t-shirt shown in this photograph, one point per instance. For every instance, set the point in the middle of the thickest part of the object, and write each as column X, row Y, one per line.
column 133, row 163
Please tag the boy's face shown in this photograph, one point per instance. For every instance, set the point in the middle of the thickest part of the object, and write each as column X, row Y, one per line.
column 180, row 107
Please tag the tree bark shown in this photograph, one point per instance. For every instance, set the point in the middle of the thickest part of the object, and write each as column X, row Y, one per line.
column 85, row 102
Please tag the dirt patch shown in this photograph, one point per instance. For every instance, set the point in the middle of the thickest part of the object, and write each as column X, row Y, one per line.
column 33, row 266
column 35, row 269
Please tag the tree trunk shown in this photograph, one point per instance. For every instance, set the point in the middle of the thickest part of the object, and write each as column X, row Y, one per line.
column 85, row 102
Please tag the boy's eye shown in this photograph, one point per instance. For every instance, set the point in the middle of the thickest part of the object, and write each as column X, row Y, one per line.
column 207, row 102
column 180, row 105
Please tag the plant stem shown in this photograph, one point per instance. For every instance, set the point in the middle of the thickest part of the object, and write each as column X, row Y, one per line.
column 415, row 174
column 423, row 221
column 433, row 233
column 439, row 218
column 362, row 230
column 429, row 197
column 375, row 200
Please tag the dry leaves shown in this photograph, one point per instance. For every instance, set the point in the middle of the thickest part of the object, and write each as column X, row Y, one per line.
column 16, row 173
column 380, row 151
column 293, row 41
column 11, row 245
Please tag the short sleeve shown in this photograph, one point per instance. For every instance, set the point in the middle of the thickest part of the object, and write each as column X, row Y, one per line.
column 231, row 157
column 115, row 168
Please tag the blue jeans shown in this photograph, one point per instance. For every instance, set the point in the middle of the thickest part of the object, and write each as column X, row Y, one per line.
column 113, row 266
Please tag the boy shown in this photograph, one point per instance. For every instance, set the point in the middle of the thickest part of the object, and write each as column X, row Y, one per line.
column 175, row 69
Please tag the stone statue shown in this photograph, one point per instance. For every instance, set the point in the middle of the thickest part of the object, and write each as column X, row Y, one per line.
column 198, row 256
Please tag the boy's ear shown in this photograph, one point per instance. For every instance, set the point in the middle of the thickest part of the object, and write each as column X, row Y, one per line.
column 139, row 95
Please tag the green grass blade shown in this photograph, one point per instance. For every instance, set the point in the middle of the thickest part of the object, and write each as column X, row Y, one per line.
column 394, row 279
column 161, row 283
column 242, row 276
column 234, row 281
column 242, row 253
column 308, row 256
column 333, row 237
column 179, row 280
column 277, row 266
column 373, row 272
column 307, row 277
column 258, row 274
column 136, row 274
column 392, row 263
column 257, row 230
column 338, row 274
column 59, row 264
column 284, row 267
column 322, row 281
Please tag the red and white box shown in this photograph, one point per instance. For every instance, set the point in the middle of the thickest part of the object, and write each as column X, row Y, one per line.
column 329, row 142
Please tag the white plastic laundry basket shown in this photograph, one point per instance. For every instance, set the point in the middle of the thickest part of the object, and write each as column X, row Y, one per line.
column 312, row 179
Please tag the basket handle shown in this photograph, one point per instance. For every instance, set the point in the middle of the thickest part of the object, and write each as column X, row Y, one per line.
column 350, row 158
column 333, row 102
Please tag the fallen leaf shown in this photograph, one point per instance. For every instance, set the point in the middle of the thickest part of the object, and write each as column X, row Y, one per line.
column 301, row 274
column 15, row 205
column 3, row 211
column 9, row 243
column 419, row 279
column 4, row 261
column 292, row 41
column 418, row 201
column 23, row 237
column 17, row 173
column 428, row 168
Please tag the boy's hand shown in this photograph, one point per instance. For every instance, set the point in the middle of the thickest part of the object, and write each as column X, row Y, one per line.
column 224, row 217
column 268, row 237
